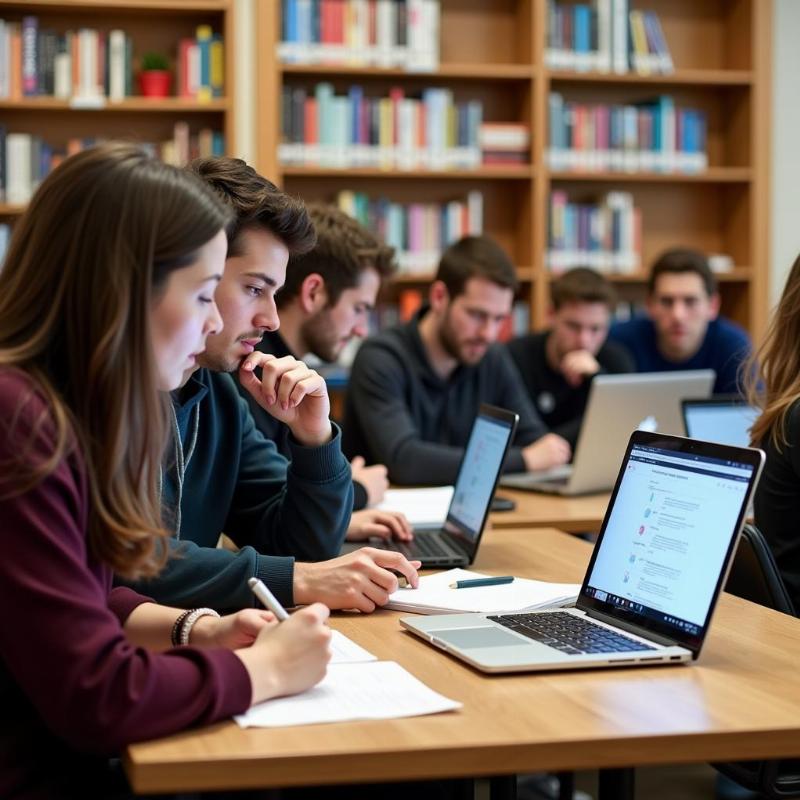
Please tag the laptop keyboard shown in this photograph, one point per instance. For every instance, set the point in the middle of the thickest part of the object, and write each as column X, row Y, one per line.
column 427, row 546
column 569, row 634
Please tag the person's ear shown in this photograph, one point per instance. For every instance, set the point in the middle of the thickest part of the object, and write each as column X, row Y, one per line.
column 715, row 301
column 438, row 296
column 313, row 295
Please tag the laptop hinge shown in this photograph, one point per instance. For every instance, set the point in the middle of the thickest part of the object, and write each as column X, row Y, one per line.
column 631, row 628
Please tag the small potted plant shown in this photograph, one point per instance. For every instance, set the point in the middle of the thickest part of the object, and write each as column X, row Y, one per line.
column 154, row 75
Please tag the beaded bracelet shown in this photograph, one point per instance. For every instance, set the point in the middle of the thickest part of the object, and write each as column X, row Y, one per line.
column 189, row 620
column 175, row 636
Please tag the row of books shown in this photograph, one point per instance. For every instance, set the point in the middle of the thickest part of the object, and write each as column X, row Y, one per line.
column 382, row 33
column 606, row 37
column 649, row 136
column 606, row 235
column 419, row 232
column 89, row 66
column 25, row 159
column 395, row 132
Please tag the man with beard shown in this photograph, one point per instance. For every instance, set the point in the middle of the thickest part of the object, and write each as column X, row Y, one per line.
column 415, row 389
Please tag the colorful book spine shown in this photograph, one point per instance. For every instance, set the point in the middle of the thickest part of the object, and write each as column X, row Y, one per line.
column 382, row 33
column 88, row 67
column 606, row 236
column 605, row 36
column 432, row 131
column 26, row 159
column 652, row 136
column 418, row 232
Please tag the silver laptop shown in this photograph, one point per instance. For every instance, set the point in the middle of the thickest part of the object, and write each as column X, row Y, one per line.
column 657, row 569
column 722, row 418
column 617, row 405
column 456, row 543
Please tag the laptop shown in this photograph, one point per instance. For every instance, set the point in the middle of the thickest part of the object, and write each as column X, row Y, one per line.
column 617, row 405
column 456, row 543
column 658, row 566
column 722, row 418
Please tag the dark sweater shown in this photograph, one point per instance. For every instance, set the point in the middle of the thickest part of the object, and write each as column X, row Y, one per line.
column 237, row 482
column 72, row 688
column 560, row 405
column 274, row 429
column 399, row 412
column 723, row 349
column 777, row 503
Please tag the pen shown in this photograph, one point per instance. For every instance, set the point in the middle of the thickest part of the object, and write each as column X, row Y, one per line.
column 481, row 582
column 268, row 599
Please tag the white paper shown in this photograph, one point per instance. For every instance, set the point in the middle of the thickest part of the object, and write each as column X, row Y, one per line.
column 346, row 651
column 434, row 595
column 422, row 507
column 370, row 690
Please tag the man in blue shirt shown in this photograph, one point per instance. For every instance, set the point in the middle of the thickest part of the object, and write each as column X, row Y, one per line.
column 683, row 329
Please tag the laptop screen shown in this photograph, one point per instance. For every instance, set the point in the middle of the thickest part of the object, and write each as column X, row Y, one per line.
column 723, row 421
column 480, row 469
column 668, row 533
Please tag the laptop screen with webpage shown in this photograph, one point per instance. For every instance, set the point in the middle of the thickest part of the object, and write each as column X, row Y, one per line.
column 668, row 534
column 480, row 469
column 725, row 421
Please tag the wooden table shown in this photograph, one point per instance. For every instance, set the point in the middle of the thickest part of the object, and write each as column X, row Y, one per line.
column 534, row 510
column 740, row 701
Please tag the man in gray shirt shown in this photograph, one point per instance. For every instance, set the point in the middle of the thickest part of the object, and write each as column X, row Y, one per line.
column 415, row 389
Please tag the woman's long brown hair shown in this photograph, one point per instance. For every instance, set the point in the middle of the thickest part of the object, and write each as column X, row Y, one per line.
column 85, row 264
column 773, row 373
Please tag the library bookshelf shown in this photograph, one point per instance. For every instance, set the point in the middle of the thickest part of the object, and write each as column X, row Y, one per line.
column 154, row 25
column 495, row 52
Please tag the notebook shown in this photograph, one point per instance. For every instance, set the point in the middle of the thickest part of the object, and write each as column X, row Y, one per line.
column 435, row 595
column 617, row 405
column 456, row 542
column 722, row 418
column 658, row 566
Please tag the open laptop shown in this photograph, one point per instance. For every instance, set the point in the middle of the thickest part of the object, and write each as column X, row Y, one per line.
column 722, row 418
column 617, row 405
column 456, row 543
column 657, row 569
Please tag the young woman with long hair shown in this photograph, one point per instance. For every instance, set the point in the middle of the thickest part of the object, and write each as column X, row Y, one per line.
column 106, row 298
column 774, row 385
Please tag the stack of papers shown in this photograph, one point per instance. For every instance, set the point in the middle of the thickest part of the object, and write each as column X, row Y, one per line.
column 355, row 687
column 434, row 595
column 424, row 508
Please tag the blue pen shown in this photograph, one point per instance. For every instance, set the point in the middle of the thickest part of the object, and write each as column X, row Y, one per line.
column 472, row 582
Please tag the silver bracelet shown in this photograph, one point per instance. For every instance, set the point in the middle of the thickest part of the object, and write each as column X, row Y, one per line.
column 189, row 620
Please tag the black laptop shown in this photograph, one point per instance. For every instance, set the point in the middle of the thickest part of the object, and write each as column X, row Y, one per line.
column 456, row 542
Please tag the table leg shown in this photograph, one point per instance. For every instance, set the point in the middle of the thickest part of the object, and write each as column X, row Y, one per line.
column 616, row 784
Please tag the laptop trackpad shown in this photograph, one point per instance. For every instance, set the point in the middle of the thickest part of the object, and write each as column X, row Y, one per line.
column 477, row 637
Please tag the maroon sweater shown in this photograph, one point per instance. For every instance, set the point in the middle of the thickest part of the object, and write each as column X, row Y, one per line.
column 72, row 687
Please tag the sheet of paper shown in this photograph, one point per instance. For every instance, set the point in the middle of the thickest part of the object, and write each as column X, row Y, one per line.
column 370, row 690
column 346, row 651
column 422, row 507
column 434, row 595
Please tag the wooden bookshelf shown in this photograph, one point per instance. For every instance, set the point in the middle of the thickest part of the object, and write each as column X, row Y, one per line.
column 495, row 52
column 154, row 25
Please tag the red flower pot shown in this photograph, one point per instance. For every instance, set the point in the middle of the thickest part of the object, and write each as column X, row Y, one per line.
column 155, row 83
